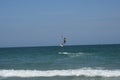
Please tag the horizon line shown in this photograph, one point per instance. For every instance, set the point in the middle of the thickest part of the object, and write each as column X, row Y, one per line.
column 59, row 46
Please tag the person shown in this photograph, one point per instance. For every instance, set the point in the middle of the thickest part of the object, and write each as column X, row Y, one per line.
column 64, row 40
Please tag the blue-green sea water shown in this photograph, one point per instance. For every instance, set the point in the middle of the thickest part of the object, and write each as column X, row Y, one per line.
column 85, row 62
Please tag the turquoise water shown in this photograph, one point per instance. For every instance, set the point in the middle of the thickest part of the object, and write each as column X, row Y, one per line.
column 88, row 62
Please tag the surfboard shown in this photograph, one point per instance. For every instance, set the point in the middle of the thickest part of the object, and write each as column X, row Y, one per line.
column 61, row 45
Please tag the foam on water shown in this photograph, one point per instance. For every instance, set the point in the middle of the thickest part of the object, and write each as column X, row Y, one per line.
column 51, row 73
column 71, row 54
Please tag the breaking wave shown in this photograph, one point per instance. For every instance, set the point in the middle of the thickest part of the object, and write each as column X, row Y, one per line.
column 71, row 54
column 51, row 73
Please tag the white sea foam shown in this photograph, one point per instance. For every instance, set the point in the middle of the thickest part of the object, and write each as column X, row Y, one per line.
column 71, row 54
column 51, row 73
column 63, row 53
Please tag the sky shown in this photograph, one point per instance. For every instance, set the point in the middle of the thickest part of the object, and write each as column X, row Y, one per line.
column 43, row 22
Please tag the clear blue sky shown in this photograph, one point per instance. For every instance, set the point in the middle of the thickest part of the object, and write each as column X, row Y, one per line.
column 43, row 22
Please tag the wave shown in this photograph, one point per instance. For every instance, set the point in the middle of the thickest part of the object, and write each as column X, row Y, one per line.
column 51, row 73
column 71, row 54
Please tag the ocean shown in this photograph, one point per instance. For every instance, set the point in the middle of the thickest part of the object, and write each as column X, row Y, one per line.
column 84, row 62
